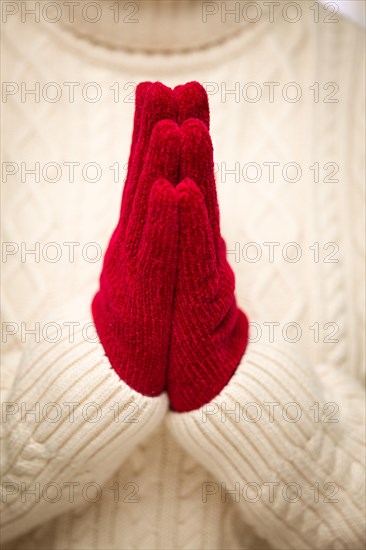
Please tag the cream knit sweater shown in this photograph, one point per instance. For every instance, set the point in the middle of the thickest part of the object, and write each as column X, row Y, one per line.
column 276, row 461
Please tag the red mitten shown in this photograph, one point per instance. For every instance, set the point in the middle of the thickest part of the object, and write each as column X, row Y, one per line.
column 209, row 333
column 133, row 308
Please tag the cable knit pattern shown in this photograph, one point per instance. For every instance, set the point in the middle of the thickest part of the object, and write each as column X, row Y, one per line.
column 334, row 307
column 167, row 465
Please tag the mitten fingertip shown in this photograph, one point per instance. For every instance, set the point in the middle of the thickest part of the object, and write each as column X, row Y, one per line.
column 192, row 102
column 189, row 193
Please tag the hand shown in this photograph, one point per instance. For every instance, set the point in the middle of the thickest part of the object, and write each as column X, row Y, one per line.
column 133, row 308
column 209, row 333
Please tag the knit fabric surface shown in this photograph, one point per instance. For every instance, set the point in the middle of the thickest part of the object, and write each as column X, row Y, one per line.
column 287, row 124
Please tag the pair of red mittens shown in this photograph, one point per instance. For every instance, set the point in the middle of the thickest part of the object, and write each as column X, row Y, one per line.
column 165, row 312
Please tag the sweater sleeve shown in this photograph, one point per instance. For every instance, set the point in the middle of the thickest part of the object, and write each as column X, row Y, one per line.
column 286, row 442
column 68, row 423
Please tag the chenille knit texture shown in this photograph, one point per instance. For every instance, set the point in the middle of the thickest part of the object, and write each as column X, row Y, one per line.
column 132, row 310
column 209, row 333
column 200, row 479
column 150, row 302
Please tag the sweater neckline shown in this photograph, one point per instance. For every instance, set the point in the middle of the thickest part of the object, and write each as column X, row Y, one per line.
column 151, row 63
